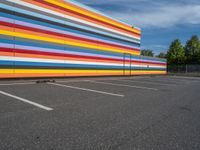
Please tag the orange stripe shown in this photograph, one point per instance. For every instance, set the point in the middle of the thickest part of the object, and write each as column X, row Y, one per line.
column 82, row 18
column 68, row 39
column 6, row 28
column 53, row 75
column 7, row 75
column 58, row 57
column 58, row 37
column 98, row 15
column 71, row 58
column 147, row 73
column 61, row 38
column 63, row 58
column 6, row 54
column 70, row 75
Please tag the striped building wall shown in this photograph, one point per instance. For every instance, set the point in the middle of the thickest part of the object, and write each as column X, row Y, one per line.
column 52, row 38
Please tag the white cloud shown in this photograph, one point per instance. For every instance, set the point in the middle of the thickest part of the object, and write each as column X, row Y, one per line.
column 164, row 16
column 151, row 13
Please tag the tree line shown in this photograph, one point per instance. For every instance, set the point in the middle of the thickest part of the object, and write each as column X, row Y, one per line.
column 178, row 54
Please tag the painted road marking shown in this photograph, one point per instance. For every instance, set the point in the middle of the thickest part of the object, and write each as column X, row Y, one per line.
column 99, row 79
column 148, row 82
column 23, row 83
column 26, row 101
column 169, row 78
column 85, row 89
column 69, row 81
column 164, row 81
column 129, row 80
column 125, row 85
column 183, row 77
column 115, row 78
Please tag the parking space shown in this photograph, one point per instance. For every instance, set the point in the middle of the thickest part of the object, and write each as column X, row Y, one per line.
column 61, row 91
column 93, row 113
column 45, row 95
column 8, row 105
column 167, row 81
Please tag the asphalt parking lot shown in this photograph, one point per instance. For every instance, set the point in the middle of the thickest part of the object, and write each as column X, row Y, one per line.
column 105, row 113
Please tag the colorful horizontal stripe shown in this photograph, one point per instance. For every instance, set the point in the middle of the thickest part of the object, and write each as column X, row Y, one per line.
column 45, row 38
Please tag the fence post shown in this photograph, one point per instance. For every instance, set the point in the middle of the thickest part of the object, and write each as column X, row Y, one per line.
column 186, row 68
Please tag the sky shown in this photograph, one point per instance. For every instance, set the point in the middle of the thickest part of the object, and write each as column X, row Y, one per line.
column 161, row 21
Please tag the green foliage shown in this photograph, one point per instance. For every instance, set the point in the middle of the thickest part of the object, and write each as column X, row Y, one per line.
column 176, row 53
column 192, row 50
column 162, row 55
column 147, row 53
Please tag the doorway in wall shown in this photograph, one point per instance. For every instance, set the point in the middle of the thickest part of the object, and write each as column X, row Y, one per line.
column 127, row 64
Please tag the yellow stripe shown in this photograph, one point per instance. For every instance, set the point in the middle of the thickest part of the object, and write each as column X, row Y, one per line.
column 94, row 16
column 73, row 71
column 35, row 37
column 11, row 71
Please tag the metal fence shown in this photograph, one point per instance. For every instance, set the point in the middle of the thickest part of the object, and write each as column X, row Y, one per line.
column 183, row 68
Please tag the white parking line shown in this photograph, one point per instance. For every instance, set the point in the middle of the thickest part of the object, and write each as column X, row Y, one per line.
column 115, row 78
column 183, row 77
column 125, row 85
column 69, row 81
column 169, row 79
column 148, row 82
column 96, row 79
column 165, row 81
column 26, row 101
column 85, row 89
column 22, row 83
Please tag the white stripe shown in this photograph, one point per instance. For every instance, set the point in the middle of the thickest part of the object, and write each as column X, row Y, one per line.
column 8, row 58
column 99, row 79
column 167, row 81
column 24, row 83
column 26, row 101
column 66, row 51
column 125, row 85
column 69, row 17
column 183, row 77
column 98, row 12
column 69, row 33
column 146, row 66
column 143, row 60
column 70, row 81
column 85, row 89
column 155, row 83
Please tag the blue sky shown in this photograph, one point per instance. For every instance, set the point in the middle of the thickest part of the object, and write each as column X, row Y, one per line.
column 161, row 21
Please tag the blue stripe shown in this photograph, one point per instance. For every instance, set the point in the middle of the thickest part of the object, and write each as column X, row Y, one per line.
column 63, row 22
column 41, row 64
column 69, row 30
column 59, row 47
column 2, row 62
column 76, row 49
column 93, row 10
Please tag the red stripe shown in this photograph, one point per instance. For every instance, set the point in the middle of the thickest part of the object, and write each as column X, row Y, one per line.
column 82, row 15
column 14, row 50
column 64, row 35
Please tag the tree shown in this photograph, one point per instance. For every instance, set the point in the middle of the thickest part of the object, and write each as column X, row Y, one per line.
column 162, row 55
column 176, row 53
column 198, row 58
column 147, row 53
column 192, row 50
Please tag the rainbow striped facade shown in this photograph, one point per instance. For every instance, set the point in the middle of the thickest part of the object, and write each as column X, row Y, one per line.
column 57, row 38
